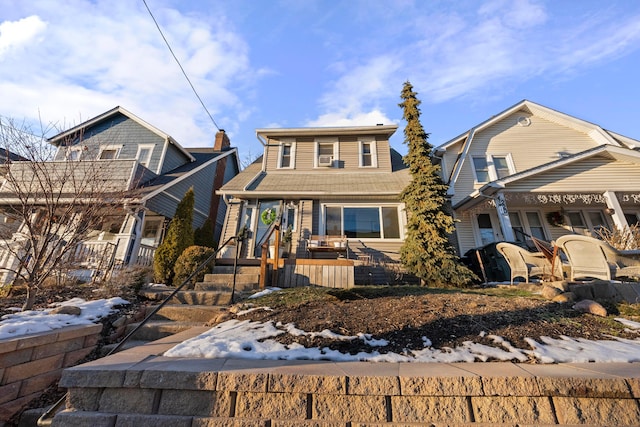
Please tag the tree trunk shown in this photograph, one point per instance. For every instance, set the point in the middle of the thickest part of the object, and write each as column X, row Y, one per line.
column 31, row 298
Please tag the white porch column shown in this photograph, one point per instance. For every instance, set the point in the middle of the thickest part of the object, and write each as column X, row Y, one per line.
column 503, row 216
column 618, row 216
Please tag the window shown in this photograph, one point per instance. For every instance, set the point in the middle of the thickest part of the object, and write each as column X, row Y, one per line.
column 517, row 227
column 491, row 167
column 326, row 152
column 371, row 222
column 502, row 167
column 632, row 219
column 482, row 169
column 144, row 155
column 109, row 152
column 287, row 155
column 576, row 221
column 597, row 221
column 535, row 225
column 151, row 231
column 73, row 153
column 368, row 153
column 486, row 229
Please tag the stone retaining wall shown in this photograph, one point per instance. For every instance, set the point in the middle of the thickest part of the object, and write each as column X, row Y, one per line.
column 138, row 388
column 29, row 364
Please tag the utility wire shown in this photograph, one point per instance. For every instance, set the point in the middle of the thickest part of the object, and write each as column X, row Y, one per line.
column 180, row 65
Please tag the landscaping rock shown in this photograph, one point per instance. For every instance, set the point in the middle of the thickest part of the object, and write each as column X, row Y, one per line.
column 550, row 292
column 563, row 285
column 67, row 309
column 591, row 307
column 565, row 297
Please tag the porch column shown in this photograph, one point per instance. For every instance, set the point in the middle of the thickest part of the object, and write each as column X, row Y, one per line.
column 618, row 216
column 503, row 216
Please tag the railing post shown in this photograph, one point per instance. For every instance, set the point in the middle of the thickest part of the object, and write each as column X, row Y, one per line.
column 263, row 266
column 276, row 256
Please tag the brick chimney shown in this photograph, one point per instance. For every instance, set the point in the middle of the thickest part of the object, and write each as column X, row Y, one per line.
column 222, row 141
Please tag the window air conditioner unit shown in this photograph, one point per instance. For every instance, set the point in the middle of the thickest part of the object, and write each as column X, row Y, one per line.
column 325, row 160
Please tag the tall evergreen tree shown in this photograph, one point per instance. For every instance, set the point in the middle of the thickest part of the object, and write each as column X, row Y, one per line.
column 427, row 251
column 179, row 237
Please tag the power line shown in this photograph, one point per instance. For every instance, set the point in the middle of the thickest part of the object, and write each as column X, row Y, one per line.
column 180, row 65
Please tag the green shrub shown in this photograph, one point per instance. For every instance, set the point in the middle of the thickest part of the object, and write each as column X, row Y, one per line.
column 204, row 235
column 179, row 237
column 188, row 261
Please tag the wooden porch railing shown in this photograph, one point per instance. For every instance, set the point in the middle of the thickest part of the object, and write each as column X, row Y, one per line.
column 145, row 255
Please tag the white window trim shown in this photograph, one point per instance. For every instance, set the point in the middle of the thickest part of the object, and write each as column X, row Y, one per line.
column 140, row 148
column 491, row 167
column 336, row 153
column 399, row 209
column 292, row 160
column 495, row 227
column 106, row 147
column 374, row 152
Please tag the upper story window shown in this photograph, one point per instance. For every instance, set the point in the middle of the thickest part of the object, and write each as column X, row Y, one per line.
column 286, row 157
column 368, row 153
column 326, row 152
column 109, row 152
column 144, row 155
column 73, row 153
column 491, row 167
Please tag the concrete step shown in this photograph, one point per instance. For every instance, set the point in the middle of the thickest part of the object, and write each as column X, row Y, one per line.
column 131, row 343
column 224, row 278
column 187, row 312
column 196, row 297
column 217, row 287
column 242, row 269
column 157, row 329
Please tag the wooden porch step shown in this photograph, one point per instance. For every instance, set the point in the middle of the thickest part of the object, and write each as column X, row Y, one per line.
column 187, row 313
column 195, row 297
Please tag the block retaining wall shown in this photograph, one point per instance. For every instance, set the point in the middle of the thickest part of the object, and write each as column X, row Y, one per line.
column 29, row 364
column 159, row 392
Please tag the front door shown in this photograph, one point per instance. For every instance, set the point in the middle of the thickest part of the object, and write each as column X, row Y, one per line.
column 487, row 233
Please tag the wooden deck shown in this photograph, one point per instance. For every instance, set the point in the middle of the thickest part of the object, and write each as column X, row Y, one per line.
column 338, row 273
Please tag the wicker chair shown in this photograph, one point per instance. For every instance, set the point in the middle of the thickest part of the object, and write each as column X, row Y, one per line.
column 523, row 263
column 596, row 259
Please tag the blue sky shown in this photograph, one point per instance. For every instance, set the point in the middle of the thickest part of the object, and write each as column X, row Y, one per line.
column 295, row 63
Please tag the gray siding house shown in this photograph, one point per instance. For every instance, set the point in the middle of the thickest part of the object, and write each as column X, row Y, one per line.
column 152, row 172
column 334, row 183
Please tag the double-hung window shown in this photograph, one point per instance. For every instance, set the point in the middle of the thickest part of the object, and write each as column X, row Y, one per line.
column 491, row 167
column 363, row 222
column 286, row 158
column 368, row 153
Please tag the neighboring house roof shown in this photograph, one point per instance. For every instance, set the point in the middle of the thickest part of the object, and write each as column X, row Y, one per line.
column 202, row 159
column 59, row 138
column 595, row 132
column 6, row 155
column 491, row 188
column 252, row 182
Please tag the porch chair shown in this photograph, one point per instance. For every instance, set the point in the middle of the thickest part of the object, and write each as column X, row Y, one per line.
column 594, row 258
column 523, row 263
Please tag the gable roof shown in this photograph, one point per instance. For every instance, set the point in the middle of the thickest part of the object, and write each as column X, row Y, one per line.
column 203, row 158
column 57, row 139
column 610, row 151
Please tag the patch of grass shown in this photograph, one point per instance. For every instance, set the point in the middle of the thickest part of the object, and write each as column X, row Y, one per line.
column 297, row 296
column 294, row 296
column 629, row 310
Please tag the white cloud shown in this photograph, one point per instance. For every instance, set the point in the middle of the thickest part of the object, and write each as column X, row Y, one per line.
column 369, row 118
column 14, row 34
column 97, row 55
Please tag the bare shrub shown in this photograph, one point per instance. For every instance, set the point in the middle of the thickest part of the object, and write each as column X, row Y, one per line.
column 626, row 239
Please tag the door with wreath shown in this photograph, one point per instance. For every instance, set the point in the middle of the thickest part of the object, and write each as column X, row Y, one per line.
column 267, row 214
